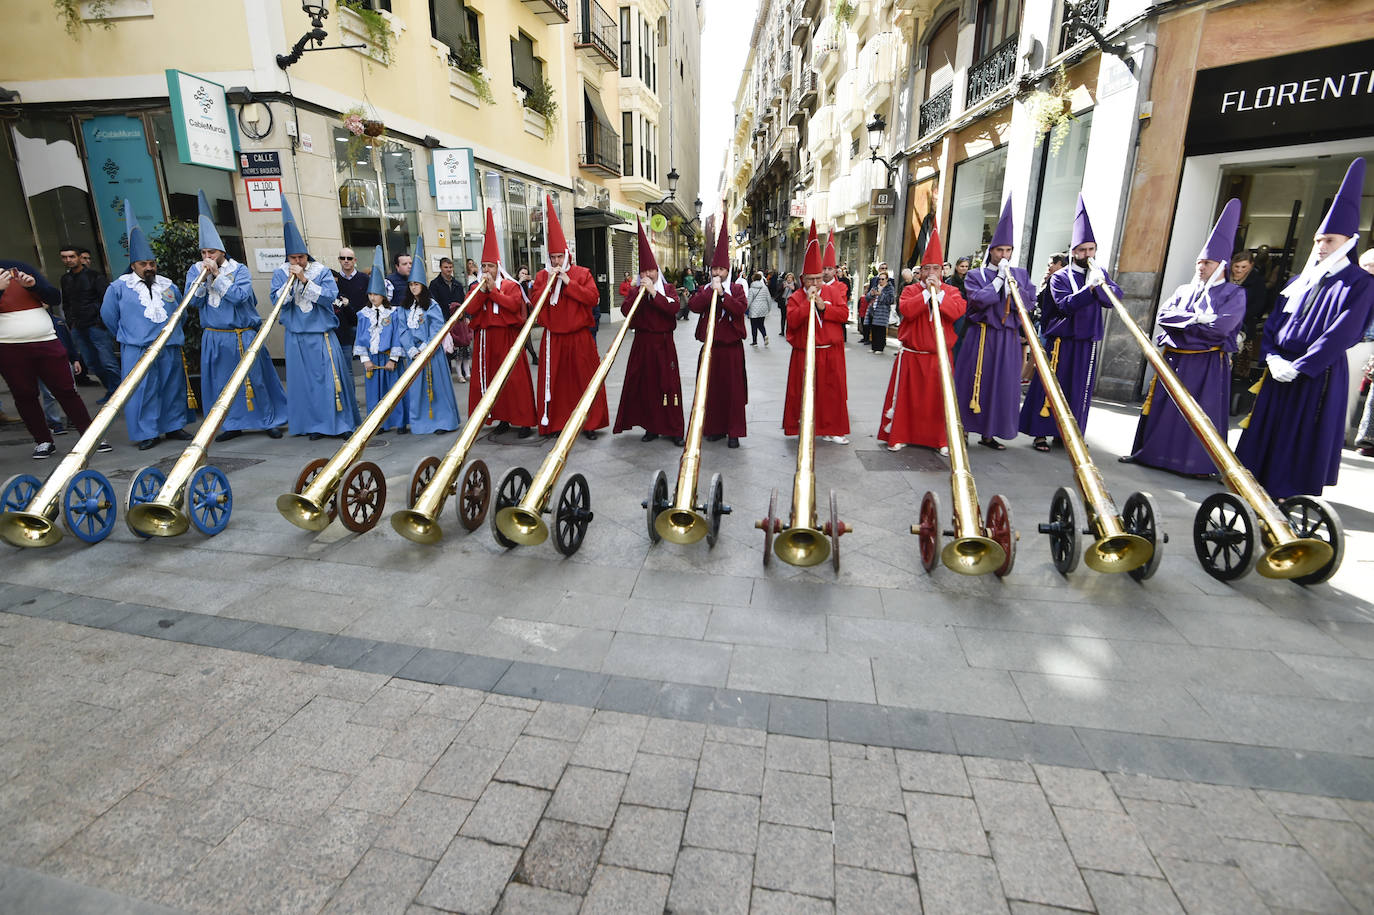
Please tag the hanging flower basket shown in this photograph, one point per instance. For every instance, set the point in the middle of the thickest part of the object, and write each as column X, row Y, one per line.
column 373, row 128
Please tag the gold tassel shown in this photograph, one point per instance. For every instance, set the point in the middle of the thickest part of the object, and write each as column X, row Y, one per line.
column 191, row 403
column 1254, row 389
column 338, row 386
column 248, row 382
column 974, row 404
column 429, row 388
column 1054, row 367
column 1149, row 397
column 665, row 400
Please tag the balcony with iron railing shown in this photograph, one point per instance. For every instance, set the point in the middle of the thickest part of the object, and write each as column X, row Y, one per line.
column 553, row 12
column 936, row 110
column 600, row 150
column 1076, row 12
column 598, row 36
column 820, row 138
column 875, row 70
column 992, row 72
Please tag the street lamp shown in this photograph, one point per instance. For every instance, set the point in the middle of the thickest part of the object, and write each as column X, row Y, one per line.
column 672, row 191
column 875, row 130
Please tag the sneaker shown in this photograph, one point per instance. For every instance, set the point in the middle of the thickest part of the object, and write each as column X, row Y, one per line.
column 104, row 448
column 44, row 450
column 944, row 452
column 896, row 447
column 836, row 439
column 58, row 429
column 765, row 341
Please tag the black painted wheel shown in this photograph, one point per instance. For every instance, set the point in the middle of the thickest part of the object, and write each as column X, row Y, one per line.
column 573, row 515
column 509, row 492
column 1066, row 517
column 715, row 507
column 1141, row 518
column 1315, row 518
column 657, row 502
column 474, row 496
column 1224, row 536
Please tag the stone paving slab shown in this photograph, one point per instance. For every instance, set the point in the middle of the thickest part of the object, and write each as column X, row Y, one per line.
column 319, row 788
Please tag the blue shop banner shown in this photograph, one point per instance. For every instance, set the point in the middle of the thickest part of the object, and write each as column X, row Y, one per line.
column 119, row 166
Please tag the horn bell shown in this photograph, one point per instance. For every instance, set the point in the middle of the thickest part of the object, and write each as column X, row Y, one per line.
column 678, row 525
column 417, row 526
column 157, row 519
column 802, row 546
column 29, row 529
column 1294, row 558
column 1119, row 553
column 302, row 512
column 973, row 555
column 522, row 526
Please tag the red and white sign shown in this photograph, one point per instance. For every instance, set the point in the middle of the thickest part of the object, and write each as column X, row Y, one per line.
column 264, row 194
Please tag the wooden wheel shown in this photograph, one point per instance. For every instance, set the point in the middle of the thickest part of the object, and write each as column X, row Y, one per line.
column 1066, row 517
column 834, row 529
column 1315, row 518
column 474, row 496
column 770, row 525
column 657, row 502
column 573, row 515
column 509, row 492
column 927, row 530
column 1224, row 535
column 308, row 474
column 715, row 507
column 424, row 472
column 1000, row 529
column 364, row 493
column 1141, row 518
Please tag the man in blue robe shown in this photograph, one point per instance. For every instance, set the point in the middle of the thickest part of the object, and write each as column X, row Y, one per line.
column 321, row 402
column 987, row 368
column 1072, row 327
column 136, row 307
column 1197, row 329
column 229, row 320
column 1292, row 443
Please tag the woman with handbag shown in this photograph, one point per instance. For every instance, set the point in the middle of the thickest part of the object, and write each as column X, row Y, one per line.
column 760, row 303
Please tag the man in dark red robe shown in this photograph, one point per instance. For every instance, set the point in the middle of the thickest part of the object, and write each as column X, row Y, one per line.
column 913, row 409
column 568, row 357
column 826, row 306
column 497, row 314
column 652, row 395
column 727, row 390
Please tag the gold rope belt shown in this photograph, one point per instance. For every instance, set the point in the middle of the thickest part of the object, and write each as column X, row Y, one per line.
column 1150, row 394
column 239, row 332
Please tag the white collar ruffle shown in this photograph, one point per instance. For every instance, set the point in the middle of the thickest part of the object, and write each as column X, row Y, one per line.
column 152, row 299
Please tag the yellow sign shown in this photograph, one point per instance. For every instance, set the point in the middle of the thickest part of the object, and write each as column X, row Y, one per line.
column 659, row 222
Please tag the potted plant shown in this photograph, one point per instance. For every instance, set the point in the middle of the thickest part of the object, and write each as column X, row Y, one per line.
column 540, row 99
column 378, row 29
column 360, row 129
column 466, row 56
column 70, row 13
column 1050, row 111
column 176, row 244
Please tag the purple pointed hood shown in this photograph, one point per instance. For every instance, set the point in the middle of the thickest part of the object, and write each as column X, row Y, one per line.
column 1004, row 234
column 1344, row 216
column 1222, row 241
column 1082, row 227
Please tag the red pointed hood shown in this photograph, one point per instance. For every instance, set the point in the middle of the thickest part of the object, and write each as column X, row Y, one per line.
column 812, row 265
column 830, row 252
column 722, row 255
column 934, row 252
column 647, row 261
column 553, row 230
column 491, row 250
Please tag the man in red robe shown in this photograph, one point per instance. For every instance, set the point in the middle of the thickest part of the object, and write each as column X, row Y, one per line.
column 568, row 357
column 727, row 390
column 826, row 306
column 652, row 394
column 497, row 313
column 913, row 410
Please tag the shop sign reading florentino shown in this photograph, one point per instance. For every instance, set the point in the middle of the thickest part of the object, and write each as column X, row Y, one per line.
column 454, row 179
column 206, row 134
column 1323, row 94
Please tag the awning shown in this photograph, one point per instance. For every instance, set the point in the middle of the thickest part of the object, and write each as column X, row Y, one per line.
column 592, row 218
column 594, row 102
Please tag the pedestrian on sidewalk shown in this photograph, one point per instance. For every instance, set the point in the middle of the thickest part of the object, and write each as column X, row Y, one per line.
column 760, row 303
column 83, row 289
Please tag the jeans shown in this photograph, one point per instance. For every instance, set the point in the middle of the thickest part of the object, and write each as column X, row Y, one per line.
column 24, row 366
column 95, row 345
column 51, row 411
column 756, row 327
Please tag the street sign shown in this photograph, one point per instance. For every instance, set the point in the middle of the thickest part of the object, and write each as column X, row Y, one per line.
column 883, row 202
column 260, row 164
column 455, row 180
column 659, row 222
column 206, row 134
column 264, row 194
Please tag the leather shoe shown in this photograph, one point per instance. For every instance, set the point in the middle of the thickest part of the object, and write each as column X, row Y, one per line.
column 502, row 426
column 316, row 436
column 228, row 436
column 714, row 438
column 274, row 432
column 180, row 435
column 648, row 436
column 679, row 441
column 146, row 444
column 525, row 432
column 1125, row 459
column 591, row 435
column 732, row 443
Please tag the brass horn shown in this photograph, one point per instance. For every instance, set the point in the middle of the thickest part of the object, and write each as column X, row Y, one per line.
column 1115, row 549
column 802, row 542
column 420, row 522
column 36, row 525
column 973, row 551
column 310, row 509
column 681, row 522
column 522, row 523
column 1286, row 555
column 166, row 515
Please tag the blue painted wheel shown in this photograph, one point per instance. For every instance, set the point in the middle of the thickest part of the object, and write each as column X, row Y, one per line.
column 18, row 492
column 147, row 483
column 209, row 500
column 88, row 506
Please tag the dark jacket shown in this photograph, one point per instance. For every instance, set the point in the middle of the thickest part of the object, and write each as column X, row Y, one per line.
column 400, row 285
column 82, row 294
column 447, row 294
column 354, row 289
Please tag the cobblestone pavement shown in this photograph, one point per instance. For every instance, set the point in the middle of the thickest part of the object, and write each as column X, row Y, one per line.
column 207, row 780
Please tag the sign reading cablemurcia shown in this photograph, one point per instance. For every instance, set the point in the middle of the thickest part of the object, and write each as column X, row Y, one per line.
column 205, row 131
column 453, row 179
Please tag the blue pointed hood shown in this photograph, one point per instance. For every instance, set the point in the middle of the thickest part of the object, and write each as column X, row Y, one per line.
column 1344, row 216
column 294, row 243
column 139, row 249
column 209, row 235
column 417, row 264
column 1004, row 234
column 376, row 281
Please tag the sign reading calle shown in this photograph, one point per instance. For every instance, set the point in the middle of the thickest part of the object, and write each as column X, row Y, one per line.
column 260, row 164
column 1324, row 94
column 454, row 179
column 206, row 134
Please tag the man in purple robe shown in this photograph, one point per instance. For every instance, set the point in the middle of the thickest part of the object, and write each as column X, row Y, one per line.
column 987, row 368
column 1197, row 328
column 1293, row 440
column 1072, row 327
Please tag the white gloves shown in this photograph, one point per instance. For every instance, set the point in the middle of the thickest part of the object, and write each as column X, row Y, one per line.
column 1206, row 318
column 1004, row 269
column 1280, row 369
column 1096, row 277
column 716, row 283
